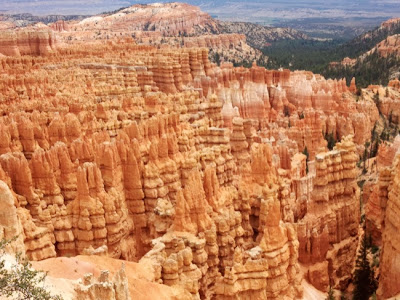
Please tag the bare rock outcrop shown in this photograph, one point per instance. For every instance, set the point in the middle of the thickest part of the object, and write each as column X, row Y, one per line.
column 328, row 232
column 10, row 224
column 389, row 266
column 103, row 287
column 217, row 179
column 24, row 42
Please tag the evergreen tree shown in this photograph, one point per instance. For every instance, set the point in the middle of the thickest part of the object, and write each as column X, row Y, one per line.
column 374, row 149
column 330, row 139
column 343, row 296
column 20, row 281
column 364, row 280
column 390, row 118
column 377, row 101
column 217, row 58
column 286, row 111
column 374, row 134
column 331, row 295
column 365, row 156
column 305, row 152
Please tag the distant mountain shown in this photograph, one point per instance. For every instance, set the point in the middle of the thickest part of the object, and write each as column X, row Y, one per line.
column 373, row 57
column 389, row 46
column 259, row 36
column 174, row 24
column 365, row 42
column 27, row 19
column 326, row 19
column 183, row 19
column 164, row 23
column 168, row 20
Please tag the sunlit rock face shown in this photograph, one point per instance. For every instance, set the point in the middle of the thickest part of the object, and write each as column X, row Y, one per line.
column 329, row 231
column 389, row 266
column 27, row 42
column 215, row 180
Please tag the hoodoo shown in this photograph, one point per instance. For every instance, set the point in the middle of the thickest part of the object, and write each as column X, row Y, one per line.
column 123, row 147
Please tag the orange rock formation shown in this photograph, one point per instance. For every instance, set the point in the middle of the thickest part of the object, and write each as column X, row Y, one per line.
column 155, row 155
column 328, row 232
column 24, row 42
column 389, row 268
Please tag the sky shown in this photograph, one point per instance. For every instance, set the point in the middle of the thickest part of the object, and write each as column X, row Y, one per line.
column 223, row 9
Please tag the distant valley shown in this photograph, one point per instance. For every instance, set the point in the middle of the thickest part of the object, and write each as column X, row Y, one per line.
column 324, row 20
column 330, row 40
column 372, row 57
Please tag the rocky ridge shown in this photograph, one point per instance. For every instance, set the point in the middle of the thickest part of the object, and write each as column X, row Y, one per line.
column 172, row 24
column 382, row 43
column 389, row 46
column 389, row 268
column 194, row 171
column 144, row 150
column 259, row 36
column 27, row 42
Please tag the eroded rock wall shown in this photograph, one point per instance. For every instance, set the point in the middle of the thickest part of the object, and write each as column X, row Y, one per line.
column 191, row 168
column 389, row 266
column 328, row 233
column 26, row 42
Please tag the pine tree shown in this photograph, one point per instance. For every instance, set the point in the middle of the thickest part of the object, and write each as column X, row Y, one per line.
column 331, row 295
column 364, row 280
column 21, row 281
column 330, row 139
column 305, row 152
column 377, row 101
column 286, row 111
column 365, row 156
column 390, row 118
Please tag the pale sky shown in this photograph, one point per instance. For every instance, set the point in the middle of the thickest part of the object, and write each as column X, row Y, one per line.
column 310, row 8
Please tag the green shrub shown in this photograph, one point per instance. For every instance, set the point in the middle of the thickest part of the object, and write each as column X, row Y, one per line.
column 21, row 281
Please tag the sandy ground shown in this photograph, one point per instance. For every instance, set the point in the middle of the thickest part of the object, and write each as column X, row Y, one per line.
column 64, row 272
column 311, row 293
